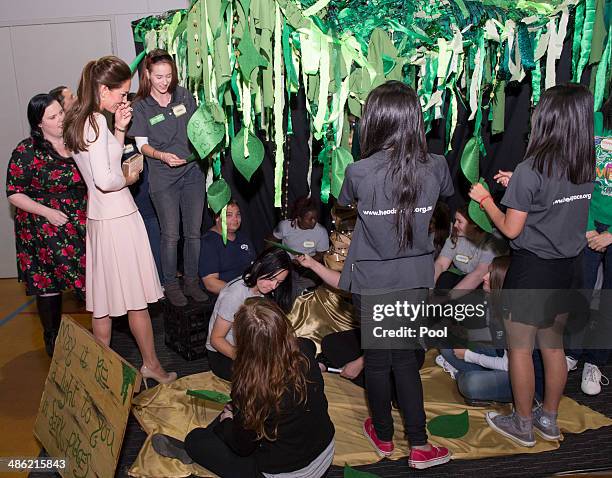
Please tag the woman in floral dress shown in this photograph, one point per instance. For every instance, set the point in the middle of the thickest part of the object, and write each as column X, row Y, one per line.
column 45, row 186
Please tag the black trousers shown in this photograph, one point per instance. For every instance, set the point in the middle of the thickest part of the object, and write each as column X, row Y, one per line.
column 220, row 365
column 383, row 368
column 208, row 450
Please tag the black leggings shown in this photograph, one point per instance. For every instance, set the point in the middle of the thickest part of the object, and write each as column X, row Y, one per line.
column 208, row 450
column 220, row 365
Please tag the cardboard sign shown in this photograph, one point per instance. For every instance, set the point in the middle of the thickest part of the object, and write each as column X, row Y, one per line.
column 85, row 404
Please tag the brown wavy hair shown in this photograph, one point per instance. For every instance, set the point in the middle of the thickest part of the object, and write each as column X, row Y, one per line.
column 109, row 71
column 464, row 211
column 155, row 57
column 268, row 365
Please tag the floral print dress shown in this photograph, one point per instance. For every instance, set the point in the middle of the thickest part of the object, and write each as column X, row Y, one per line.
column 49, row 258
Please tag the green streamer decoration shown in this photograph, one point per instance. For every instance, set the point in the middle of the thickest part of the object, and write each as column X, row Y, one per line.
column 244, row 60
column 210, row 395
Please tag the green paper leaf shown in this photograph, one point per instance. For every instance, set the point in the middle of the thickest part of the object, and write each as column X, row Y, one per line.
column 211, row 395
column 204, row 130
column 479, row 216
column 219, row 194
column 470, row 160
column 341, row 158
column 450, row 426
column 247, row 166
column 249, row 58
column 284, row 247
column 353, row 473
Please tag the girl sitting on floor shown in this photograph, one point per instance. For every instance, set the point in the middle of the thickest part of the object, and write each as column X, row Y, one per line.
column 469, row 250
column 268, row 275
column 277, row 424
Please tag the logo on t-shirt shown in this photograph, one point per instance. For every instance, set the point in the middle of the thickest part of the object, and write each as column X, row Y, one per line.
column 244, row 247
column 309, row 244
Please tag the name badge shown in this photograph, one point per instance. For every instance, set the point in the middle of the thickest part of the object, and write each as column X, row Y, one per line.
column 157, row 119
column 461, row 258
column 309, row 244
column 179, row 110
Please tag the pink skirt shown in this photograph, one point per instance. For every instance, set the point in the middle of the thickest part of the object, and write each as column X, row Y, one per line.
column 120, row 272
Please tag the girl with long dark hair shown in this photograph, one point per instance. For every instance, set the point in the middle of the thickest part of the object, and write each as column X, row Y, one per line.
column 269, row 275
column 277, row 423
column 395, row 187
column 547, row 204
column 45, row 186
column 121, row 276
column 162, row 111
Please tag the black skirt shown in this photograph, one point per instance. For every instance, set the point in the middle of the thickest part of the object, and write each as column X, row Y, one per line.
column 537, row 290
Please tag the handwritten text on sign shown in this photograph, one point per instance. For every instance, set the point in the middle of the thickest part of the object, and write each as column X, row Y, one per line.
column 85, row 404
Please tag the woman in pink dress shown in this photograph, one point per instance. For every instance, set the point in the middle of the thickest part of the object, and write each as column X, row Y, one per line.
column 120, row 271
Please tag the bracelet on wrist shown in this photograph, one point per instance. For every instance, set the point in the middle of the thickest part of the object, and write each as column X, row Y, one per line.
column 117, row 128
column 481, row 203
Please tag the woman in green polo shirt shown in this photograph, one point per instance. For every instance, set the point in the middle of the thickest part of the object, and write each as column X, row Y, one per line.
column 159, row 124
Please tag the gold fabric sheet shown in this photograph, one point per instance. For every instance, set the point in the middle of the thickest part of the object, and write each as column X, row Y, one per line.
column 322, row 312
column 167, row 409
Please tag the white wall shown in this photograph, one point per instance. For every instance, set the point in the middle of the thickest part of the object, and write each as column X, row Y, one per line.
column 45, row 43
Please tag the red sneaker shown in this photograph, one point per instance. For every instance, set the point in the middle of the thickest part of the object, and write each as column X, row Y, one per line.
column 421, row 459
column 383, row 448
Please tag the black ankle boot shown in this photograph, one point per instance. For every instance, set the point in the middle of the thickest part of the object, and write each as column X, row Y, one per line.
column 50, row 313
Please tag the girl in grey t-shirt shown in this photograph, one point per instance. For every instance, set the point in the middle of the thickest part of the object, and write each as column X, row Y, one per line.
column 547, row 204
column 269, row 275
column 469, row 251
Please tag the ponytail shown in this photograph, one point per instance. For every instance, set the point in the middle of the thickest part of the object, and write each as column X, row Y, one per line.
column 109, row 71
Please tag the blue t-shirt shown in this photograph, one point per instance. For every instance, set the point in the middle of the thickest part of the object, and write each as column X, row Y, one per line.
column 228, row 261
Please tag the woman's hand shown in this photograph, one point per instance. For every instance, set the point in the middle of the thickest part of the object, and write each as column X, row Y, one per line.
column 56, row 217
column 600, row 242
column 352, row 369
column 123, row 115
column 306, row 261
column 459, row 353
column 132, row 178
column 171, row 159
column 478, row 192
column 228, row 412
column 503, row 177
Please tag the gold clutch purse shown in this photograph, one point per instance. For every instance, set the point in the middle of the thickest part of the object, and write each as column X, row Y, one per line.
column 134, row 164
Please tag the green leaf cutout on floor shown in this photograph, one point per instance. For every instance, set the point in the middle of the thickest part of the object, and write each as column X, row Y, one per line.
column 450, row 426
column 210, row 395
column 353, row 473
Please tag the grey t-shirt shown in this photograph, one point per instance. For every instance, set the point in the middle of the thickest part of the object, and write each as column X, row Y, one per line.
column 557, row 212
column 307, row 241
column 466, row 255
column 375, row 260
column 231, row 297
column 166, row 130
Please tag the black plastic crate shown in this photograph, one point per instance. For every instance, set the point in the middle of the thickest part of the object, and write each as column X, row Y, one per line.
column 186, row 328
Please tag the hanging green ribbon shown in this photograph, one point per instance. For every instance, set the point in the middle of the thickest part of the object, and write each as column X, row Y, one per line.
column 603, row 72
column 325, row 159
column 587, row 36
column 224, row 225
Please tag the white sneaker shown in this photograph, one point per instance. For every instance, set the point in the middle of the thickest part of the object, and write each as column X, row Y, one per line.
column 446, row 366
column 571, row 363
column 592, row 379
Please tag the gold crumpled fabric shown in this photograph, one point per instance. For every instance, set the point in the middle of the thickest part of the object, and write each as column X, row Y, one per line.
column 167, row 409
column 324, row 311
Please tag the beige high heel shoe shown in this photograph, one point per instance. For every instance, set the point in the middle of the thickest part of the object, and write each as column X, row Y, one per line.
column 148, row 373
